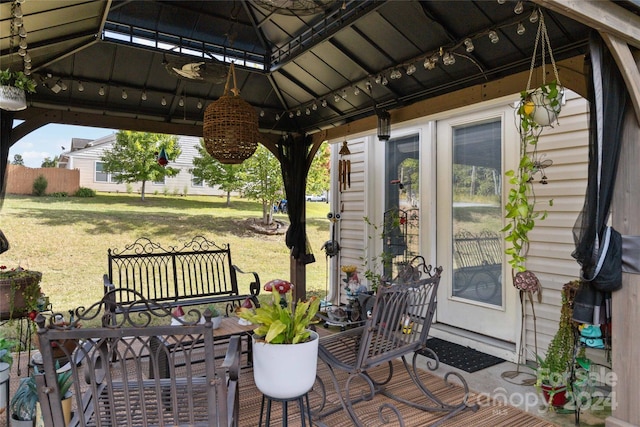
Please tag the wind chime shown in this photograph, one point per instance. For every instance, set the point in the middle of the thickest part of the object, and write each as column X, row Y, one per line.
column 344, row 168
column 162, row 158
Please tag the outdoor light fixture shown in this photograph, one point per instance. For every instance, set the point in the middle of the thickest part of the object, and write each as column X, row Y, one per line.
column 314, row 107
column 298, row 113
column 144, row 95
column 384, row 125
column 124, row 94
column 101, row 91
column 519, row 8
column 261, row 113
column 448, row 59
column 534, row 16
column 469, row 47
column 80, row 87
column 356, row 91
column 520, row 30
column 55, row 88
column 324, row 103
column 307, row 111
column 277, row 117
column 291, row 114
column 410, row 69
column 63, row 85
column 199, row 105
column 493, row 37
column 336, row 98
column 181, row 102
column 164, row 101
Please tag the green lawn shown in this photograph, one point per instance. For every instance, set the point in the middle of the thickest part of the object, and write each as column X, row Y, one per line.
column 67, row 238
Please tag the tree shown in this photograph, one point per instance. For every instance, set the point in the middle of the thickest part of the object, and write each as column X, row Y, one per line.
column 209, row 170
column 263, row 181
column 18, row 160
column 133, row 157
column 50, row 163
column 318, row 178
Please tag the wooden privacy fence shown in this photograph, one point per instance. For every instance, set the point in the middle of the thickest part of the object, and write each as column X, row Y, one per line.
column 20, row 179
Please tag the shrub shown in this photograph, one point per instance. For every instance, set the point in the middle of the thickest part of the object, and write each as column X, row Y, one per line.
column 85, row 192
column 59, row 194
column 129, row 188
column 40, row 185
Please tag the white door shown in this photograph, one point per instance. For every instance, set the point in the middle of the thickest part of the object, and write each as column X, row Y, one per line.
column 473, row 294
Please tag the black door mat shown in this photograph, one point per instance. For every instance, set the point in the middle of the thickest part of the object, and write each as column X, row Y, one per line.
column 465, row 358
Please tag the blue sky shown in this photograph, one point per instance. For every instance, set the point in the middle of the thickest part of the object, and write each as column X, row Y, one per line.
column 48, row 141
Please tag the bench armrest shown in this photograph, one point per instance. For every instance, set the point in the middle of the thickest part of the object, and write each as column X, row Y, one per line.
column 254, row 287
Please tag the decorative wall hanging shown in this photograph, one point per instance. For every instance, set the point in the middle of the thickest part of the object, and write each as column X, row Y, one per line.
column 204, row 71
column 162, row 158
column 230, row 127
column 344, row 168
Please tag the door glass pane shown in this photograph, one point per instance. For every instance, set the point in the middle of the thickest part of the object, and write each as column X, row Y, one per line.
column 477, row 214
column 402, row 203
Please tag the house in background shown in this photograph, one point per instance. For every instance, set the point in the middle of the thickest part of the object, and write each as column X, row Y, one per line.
column 85, row 155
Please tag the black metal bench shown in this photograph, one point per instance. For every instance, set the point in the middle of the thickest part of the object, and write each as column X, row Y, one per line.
column 200, row 272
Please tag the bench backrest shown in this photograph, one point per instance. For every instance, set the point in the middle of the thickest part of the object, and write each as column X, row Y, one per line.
column 119, row 380
column 473, row 250
column 400, row 319
column 198, row 269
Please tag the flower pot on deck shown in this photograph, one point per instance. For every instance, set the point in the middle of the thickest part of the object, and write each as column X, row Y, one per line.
column 285, row 371
column 555, row 395
column 15, row 293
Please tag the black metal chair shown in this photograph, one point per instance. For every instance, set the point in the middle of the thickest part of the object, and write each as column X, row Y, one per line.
column 118, row 370
column 398, row 326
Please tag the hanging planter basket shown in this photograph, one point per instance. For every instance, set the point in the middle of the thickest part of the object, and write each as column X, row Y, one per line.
column 543, row 104
column 12, row 98
column 230, row 127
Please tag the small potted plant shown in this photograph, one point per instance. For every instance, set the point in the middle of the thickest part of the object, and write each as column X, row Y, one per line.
column 23, row 403
column 553, row 370
column 13, row 85
column 216, row 317
column 283, row 336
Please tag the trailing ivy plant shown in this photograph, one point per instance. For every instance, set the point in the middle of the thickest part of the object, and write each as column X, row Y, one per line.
column 520, row 208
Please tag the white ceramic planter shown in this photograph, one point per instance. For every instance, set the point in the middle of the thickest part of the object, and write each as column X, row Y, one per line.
column 12, row 98
column 4, row 376
column 284, row 371
column 216, row 321
column 544, row 114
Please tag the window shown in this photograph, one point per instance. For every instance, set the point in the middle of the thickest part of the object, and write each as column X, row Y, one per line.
column 402, row 202
column 477, row 212
column 101, row 175
column 196, row 182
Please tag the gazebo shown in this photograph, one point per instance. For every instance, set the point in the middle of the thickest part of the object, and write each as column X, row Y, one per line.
column 317, row 71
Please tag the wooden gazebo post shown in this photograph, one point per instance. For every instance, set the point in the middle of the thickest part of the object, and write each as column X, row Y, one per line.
column 302, row 159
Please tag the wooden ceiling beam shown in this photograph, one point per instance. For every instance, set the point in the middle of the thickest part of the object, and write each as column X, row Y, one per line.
column 603, row 15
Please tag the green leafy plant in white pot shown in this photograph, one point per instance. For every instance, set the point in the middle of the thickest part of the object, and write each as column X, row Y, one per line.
column 13, row 86
column 285, row 350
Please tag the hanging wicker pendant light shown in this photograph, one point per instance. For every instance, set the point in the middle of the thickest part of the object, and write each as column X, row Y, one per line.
column 230, row 127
